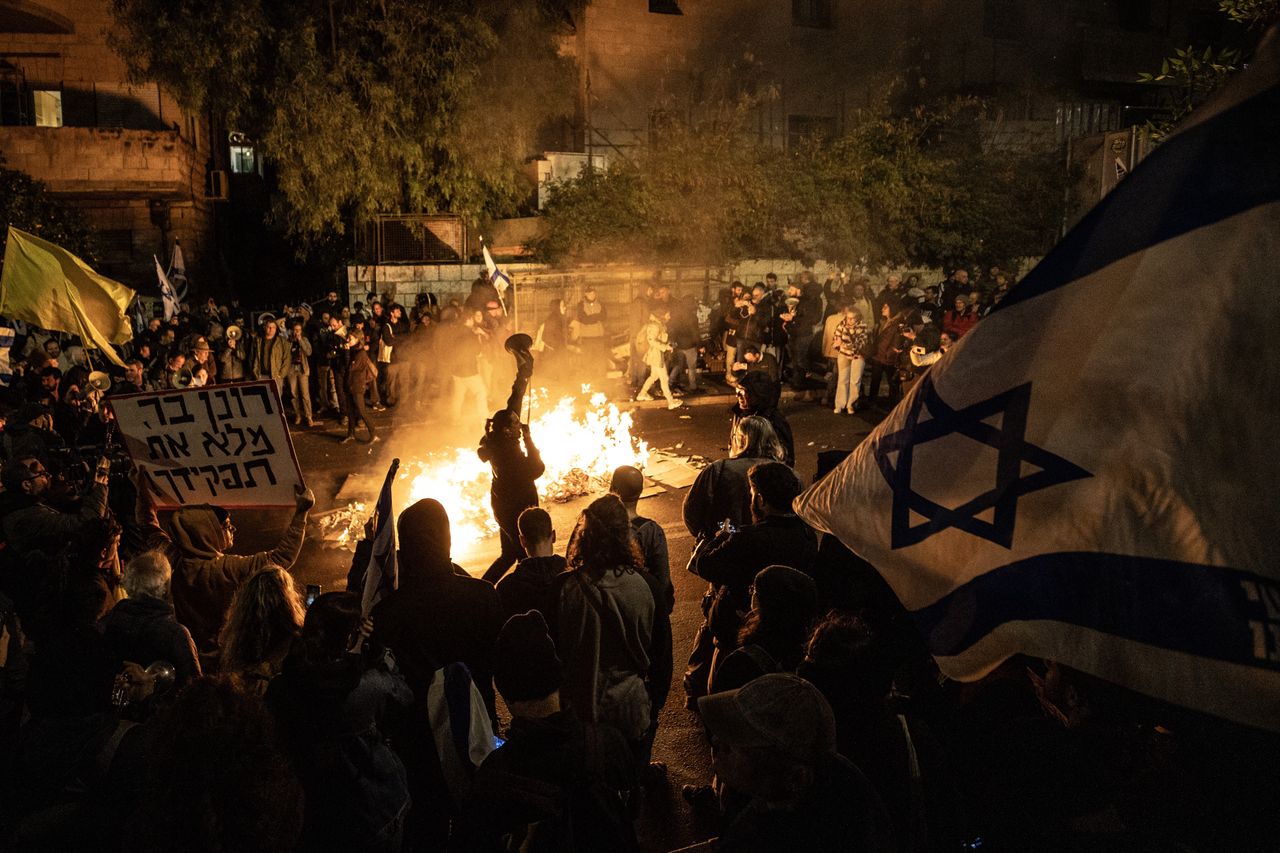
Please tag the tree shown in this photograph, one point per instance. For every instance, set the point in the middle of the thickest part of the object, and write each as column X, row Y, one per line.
column 1192, row 74
column 27, row 204
column 364, row 107
column 915, row 186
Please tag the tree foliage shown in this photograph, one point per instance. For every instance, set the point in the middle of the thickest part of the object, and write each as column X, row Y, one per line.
column 364, row 107
column 27, row 204
column 1192, row 74
column 916, row 187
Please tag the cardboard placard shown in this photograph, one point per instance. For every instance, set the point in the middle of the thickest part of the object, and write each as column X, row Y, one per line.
column 225, row 444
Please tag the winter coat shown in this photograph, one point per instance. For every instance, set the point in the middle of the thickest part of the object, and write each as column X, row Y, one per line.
column 829, row 336
column 145, row 630
column 439, row 615
column 30, row 524
column 590, row 317
column 554, row 787
column 231, row 365
column 732, row 561
column 360, row 373
column 720, row 491
column 204, row 578
column 852, row 337
column 532, row 585
column 605, row 632
column 270, row 358
column 303, row 346
column 329, row 717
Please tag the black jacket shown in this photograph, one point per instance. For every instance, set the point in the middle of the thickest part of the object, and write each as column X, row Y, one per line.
column 532, row 585
column 144, row 630
column 732, row 560
column 555, row 784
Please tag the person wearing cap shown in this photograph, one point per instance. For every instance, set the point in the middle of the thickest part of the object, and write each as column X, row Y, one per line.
column 774, row 739
column 201, row 357
column 557, row 783
column 271, row 355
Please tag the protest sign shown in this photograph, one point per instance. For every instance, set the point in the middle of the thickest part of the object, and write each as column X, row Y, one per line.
column 227, row 445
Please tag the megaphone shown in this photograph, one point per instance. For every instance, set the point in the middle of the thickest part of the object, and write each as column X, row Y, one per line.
column 99, row 381
column 183, row 378
column 234, row 333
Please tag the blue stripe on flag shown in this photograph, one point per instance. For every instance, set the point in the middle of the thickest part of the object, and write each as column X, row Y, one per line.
column 1219, row 613
column 1201, row 176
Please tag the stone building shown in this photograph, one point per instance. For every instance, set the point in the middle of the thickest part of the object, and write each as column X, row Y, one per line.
column 137, row 164
column 1054, row 69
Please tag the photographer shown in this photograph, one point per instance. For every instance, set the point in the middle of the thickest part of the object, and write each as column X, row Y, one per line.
column 29, row 523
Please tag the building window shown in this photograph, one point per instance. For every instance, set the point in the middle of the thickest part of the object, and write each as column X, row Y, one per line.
column 818, row 128
column 665, row 7
column 47, row 105
column 243, row 160
column 1004, row 20
column 812, row 13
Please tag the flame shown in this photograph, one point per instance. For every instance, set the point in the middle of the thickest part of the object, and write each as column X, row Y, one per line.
column 581, row 445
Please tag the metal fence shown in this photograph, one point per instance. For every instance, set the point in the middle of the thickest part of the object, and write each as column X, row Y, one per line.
column 413, row 238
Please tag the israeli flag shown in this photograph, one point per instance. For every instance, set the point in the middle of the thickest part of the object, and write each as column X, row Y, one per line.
column 178, row 272
column 167, row 293
column 497, row 277
column 6, row 344
column 382, row 574
column 1089, row 476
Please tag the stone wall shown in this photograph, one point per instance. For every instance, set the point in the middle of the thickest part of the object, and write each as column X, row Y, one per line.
column 536, row 285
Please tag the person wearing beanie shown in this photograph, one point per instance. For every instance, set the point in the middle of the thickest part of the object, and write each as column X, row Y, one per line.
column 784, row 605
column 533, row 583
column 557, row 783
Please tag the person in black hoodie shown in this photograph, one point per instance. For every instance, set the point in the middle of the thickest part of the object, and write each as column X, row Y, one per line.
column 515, row 469
column 759, row 395
column 533, row 584
column 438, row 615
column 329, row 703
column 557, row 785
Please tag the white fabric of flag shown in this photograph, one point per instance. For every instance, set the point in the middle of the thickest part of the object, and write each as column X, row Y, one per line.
column 497, row 277
column 167, row 292
column 178, row 272
column 1090, row 475
column 382, row 574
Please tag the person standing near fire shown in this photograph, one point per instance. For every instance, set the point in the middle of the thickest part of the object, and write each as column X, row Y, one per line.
column 516, row 468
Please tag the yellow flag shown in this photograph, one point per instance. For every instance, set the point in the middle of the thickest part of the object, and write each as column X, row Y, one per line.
column 47, row 286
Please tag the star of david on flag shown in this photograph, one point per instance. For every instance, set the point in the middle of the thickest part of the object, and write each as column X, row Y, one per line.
column 1088, row 476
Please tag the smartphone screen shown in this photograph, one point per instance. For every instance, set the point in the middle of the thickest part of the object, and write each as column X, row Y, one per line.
column 313, row 592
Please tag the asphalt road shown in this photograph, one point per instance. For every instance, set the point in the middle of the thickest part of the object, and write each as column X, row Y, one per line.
column 666, row 821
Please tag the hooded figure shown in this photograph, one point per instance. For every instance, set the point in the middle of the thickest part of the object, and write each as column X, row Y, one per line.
column 758, row 395
column 439, row 614
column 205, row 577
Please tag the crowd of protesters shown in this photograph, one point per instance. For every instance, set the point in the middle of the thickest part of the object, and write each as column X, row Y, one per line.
column 159, row 692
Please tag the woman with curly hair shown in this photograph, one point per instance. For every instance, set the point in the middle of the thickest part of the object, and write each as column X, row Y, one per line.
column 606, row 622
column 265, row 617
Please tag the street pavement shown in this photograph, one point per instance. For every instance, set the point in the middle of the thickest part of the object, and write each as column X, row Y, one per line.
column 666, row 821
